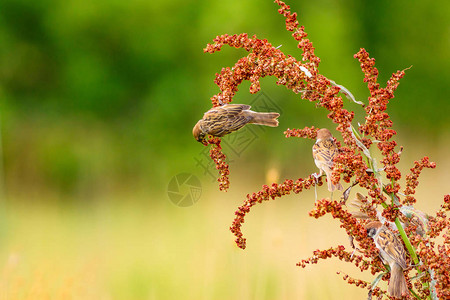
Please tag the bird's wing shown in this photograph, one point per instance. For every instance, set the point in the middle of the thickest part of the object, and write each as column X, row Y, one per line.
column 222, row 120
column 392, row 247
column 234, row 109
column 237, row 122
column 325, row 151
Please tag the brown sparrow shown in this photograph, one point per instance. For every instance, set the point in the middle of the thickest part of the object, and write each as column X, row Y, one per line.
column 392, row 252
column 408, row 215
column 222, row 120
column 324, row 150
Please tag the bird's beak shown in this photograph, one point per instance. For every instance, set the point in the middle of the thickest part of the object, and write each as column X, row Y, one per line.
column 203, row 141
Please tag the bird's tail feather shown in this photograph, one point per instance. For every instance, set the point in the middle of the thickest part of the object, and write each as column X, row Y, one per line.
column 267, row 119
column 332, row 187
column 397, row 284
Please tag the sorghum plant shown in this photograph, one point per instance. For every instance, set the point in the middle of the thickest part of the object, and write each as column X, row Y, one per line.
column 428, row 263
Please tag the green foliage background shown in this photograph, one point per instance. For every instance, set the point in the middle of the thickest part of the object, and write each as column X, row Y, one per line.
column 99, row 97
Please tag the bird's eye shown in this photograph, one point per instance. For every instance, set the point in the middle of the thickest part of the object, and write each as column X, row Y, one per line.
column 201, row 136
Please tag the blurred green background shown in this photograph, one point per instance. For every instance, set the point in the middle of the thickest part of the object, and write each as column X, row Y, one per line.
column 98, row 100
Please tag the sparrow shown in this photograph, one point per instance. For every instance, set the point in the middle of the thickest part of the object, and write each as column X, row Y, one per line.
column 222, row 120
column 360, row 206
column 324, row 150
column 392, row 253
column 408, row 215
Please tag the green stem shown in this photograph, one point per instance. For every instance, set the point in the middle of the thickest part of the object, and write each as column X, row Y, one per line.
column 414, row 294
column 405, row 239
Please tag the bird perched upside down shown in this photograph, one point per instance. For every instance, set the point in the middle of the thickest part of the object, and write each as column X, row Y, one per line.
column 222, row 120
column 324, row 150
column 392, row 253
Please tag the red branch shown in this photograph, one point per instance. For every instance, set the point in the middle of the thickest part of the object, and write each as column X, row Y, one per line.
column 310, row 133
column 267, row 193
column 218, row 157
column 412, row 179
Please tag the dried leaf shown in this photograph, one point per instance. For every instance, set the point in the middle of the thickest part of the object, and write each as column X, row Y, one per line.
column 346, row 193
column 306, row 71
column 375, row 282
column 359, row 143
column 347, row 93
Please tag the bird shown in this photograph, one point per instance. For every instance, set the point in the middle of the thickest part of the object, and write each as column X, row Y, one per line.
column 222, row 120
column 324, row 150
column 392, row 253
column 408, row 215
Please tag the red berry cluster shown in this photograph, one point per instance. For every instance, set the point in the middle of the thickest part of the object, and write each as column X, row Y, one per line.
column 412, row 179
column 310, row 133
column 267, row 193
column 338, row 252
column 218, row 157
column 263, row 60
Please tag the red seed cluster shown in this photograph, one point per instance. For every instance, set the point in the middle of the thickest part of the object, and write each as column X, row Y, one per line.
column 412, row 178
column 349, row 223
column 377, row 120
column 299, row 35
column 435, row 258
column 350, row 164
column 359, row 283
column 367, row 208
column 440, row 222
column 378, row 124
column 391, row 213
column 446, row 205
column 263, row 60
column 267, row 193
column 219, row 158
column 338, row 252
column 310, row 133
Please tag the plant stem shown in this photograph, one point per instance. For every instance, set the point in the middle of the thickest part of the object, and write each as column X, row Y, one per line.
column 405, row 239
column 414, row 294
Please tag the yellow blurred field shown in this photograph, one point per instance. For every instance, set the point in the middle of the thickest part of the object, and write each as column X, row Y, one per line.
column 129, row 250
